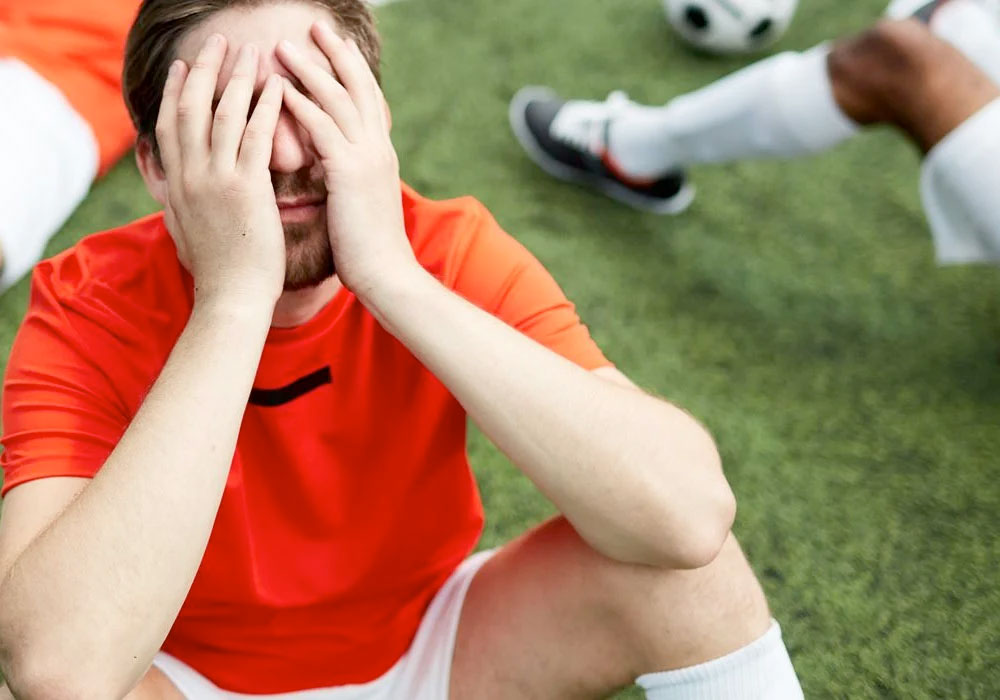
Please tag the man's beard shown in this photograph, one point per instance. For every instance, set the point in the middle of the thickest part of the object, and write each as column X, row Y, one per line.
column 308, row 255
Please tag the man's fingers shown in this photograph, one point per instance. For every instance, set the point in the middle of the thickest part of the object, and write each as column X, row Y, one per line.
column 324, row 89
column 255, row 151
column 194, row 108
column 230, row 119
column 350, row 68
column 377, row 94
column 323, row 131
column 166, row 120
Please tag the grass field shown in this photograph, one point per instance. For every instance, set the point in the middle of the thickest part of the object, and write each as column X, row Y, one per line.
column 796, row 308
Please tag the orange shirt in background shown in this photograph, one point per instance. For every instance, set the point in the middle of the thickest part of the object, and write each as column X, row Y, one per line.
column 79, row 47
column 350, row 499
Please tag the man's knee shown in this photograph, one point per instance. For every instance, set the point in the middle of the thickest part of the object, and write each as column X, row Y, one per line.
column 873, row 71
column 722, row 605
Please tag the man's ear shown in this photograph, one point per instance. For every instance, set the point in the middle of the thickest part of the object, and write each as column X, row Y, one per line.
column 152, row 171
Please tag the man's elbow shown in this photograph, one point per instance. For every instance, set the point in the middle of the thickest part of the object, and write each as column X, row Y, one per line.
column 709, row 530
column 692, row 536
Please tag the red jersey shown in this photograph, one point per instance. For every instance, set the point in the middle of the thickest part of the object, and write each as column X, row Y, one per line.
column 79, row 47
column 350, row 499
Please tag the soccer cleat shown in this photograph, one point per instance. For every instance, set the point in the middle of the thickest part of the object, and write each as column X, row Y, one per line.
column 568, row 140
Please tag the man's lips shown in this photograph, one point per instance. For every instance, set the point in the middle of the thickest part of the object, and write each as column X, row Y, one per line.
column 300, row 202
column 305, row 209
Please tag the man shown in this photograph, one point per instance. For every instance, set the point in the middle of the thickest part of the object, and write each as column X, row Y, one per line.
column 932, row 70
column 61, row 120
column 235, row 432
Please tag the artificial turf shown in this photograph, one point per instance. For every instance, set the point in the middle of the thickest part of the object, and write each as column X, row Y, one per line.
column 796, row 309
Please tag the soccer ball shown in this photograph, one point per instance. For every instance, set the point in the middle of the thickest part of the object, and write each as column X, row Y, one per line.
column 730, row 26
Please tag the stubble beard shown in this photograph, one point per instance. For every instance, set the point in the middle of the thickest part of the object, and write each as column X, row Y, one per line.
column 308, row 255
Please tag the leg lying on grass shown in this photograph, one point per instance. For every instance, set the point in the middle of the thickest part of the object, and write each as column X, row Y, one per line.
column 49, row 160
column 548, row 617
column 793, row 104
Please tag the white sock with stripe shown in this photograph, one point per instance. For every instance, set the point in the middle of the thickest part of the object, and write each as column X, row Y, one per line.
column 782, row 106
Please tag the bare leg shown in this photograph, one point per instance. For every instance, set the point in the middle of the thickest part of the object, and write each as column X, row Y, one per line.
column 899, row 73
column 154, row 686
column 548, row 617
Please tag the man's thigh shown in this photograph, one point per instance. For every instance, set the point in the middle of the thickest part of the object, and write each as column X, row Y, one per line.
column 548, row 617
column 154, row 686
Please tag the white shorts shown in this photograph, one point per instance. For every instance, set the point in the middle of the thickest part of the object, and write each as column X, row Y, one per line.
column 423, row 672
column 960, row 188
column 48, row 159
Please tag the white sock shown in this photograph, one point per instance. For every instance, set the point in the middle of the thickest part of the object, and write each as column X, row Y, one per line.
column 759, row 671
column 973, row 27
column 782, row 106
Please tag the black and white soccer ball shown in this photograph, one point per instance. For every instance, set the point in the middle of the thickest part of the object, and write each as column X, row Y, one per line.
column 730, row 26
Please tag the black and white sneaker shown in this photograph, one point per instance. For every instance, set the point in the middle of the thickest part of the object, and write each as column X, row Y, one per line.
column 568, row 140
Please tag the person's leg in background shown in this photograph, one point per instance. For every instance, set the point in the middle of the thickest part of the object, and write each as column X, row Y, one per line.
column 49, row 160
column 793, row 104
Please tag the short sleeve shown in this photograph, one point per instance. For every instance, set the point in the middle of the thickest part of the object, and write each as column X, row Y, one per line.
column 494, row 271
column 61, row 416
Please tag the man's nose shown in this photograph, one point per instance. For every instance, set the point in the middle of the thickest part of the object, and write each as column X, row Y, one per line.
column 289, row 151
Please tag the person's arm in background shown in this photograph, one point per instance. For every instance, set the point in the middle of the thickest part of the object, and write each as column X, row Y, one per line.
column 86, row 603
column 638, row 478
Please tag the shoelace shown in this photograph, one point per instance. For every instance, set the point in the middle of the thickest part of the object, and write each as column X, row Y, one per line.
column 583, row 124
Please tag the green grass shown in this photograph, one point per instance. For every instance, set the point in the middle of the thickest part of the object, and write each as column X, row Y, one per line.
column 852, row 385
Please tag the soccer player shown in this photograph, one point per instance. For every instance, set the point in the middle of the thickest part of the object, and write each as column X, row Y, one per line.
column 235, row 431
column 62, row 120
column 932, row 69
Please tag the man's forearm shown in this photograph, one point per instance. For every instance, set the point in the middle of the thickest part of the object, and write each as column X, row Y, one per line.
column 639, row 479
column 96, row 593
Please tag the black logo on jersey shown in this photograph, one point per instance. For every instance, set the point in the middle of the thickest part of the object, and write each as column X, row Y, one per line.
column 290, row 392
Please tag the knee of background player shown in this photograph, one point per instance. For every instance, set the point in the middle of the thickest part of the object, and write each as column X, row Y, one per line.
column 876, row 73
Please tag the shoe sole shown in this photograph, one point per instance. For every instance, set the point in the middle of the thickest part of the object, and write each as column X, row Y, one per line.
column 675, row 205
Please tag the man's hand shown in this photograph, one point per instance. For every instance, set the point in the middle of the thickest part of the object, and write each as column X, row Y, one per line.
column 221, row 209
column 349, row 129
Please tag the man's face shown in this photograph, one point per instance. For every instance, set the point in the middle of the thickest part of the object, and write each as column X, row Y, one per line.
column 296, row 172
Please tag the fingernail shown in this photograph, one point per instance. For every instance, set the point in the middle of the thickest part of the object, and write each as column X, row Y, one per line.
column 175, row 68
column 289, row 46
column 215, row 40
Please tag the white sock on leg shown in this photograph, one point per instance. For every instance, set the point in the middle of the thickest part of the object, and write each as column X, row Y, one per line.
column 782, row 106
column 759, row 671
column 973, row 27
